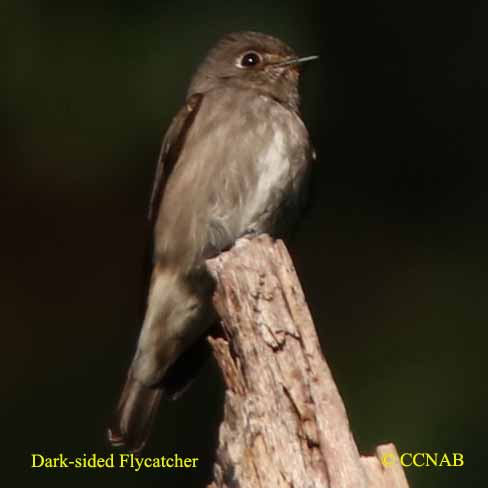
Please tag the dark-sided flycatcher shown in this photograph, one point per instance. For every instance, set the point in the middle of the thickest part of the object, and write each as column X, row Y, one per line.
column 234, row 161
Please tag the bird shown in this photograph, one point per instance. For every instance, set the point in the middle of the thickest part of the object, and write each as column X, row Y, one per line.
column 235, row 161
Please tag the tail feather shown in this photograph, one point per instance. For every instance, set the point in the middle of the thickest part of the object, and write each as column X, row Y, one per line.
column 134, row 416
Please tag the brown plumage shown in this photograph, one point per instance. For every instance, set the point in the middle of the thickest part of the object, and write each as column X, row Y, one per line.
column 234, row 161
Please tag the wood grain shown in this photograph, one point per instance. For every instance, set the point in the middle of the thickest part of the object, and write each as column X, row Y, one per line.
column 285, row 424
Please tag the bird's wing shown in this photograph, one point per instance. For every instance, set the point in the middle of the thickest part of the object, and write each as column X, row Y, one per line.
column 170, row 151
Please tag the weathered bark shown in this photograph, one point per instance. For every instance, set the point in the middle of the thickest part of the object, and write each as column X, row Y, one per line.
column 284, row 423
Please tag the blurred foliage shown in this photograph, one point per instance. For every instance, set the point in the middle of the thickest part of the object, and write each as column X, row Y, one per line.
column 392, row 255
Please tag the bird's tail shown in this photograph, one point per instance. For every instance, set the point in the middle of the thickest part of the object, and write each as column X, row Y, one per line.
column 134, row 416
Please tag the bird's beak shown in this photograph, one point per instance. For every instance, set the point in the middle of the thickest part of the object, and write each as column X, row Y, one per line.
column 295, row 61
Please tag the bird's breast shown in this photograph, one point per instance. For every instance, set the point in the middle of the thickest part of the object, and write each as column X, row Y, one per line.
column 273, row 166
column 243, row 157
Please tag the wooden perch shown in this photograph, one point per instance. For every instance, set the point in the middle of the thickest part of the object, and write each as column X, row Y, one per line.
column 284, row 423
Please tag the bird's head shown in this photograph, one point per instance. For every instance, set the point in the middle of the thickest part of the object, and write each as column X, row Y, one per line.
column 252, row 60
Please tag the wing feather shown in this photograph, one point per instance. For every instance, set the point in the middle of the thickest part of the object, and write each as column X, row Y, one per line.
column 170, row 152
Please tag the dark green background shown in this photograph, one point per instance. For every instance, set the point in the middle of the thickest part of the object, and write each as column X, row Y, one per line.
column 392, row 256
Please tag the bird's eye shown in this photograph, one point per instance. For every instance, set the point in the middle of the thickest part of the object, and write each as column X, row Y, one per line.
column 250, row 59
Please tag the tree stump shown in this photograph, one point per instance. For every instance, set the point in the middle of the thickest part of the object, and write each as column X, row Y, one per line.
column 284, row 423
